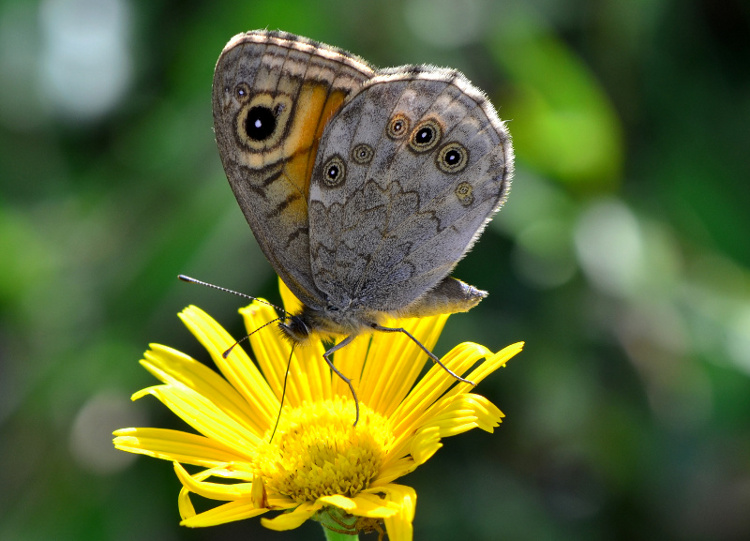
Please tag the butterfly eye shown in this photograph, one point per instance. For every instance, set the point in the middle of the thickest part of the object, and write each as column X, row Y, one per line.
column 465, row 194
column 426, row 135
column 362, row 154
column 398, row 126
column 334, row 171
column 452, row 158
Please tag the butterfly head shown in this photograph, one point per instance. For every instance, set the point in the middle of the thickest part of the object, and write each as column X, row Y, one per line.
column 296, row 328
column 328, row 322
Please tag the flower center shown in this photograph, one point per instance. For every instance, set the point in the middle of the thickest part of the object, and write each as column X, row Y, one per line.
column 317, row 452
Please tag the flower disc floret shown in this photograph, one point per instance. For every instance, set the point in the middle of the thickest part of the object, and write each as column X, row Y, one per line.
column 316, row 451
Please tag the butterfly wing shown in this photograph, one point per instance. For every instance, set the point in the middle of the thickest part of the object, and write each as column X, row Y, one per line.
column 273, row 94
column 407, row 175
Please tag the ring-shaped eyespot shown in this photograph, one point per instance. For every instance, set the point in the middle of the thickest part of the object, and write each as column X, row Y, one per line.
column 426, row 135
column 242, row 92
column 398, row 126
column 452, row 158
column 362, row 154
column 262, row 121
column 465, row 194
column 334, row 171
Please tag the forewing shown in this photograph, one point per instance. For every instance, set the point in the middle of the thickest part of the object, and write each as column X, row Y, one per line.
column 273, row 94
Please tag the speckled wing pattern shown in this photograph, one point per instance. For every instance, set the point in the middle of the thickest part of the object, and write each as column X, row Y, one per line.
column 407, row 175
column 273, row 94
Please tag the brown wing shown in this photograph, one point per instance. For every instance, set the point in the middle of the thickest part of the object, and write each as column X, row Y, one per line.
column 407, row 176
column 273, row 94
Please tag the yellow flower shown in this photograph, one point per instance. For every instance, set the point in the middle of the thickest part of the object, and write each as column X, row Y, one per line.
column 317, row 464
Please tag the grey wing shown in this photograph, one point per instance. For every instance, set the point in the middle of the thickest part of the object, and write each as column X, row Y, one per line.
column 426, row 163
column 273, row 93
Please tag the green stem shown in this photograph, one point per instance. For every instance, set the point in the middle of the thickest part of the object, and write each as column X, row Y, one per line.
column 335, row 523
column 336, row 536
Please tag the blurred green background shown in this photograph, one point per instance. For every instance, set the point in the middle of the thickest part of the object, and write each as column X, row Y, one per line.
column 621, row 258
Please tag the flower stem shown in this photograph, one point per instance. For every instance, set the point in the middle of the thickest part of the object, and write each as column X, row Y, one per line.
column 335, row 525
column 337, row 536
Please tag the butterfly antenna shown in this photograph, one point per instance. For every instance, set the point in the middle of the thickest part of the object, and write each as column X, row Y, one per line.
column 283, row 393
column 233, row 292
column 238, row 342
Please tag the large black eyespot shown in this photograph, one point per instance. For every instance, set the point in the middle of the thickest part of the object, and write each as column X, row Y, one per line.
column 426, row 135
column 398, row 126
column 362, row 154
column 452, row 158
column 260, row 123
column 334, row 171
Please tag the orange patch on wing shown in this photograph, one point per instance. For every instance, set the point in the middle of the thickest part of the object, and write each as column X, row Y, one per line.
column 315, row 106
column 330, row 107
column 294, row 169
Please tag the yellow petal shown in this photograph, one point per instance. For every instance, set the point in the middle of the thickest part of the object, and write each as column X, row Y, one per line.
column 258, row 493
column 395, row 362
column 292, row 304
column 174, row 445
column 495, row 361
column 487, row 414
column 237, row 368
column 409, row 414
column 172, row 367
column 393, row 470
column 399, row 526
column 425, row 443
column 350, row 360
column 271, row 352
column 213, row 491
column 415, row 410
column 206, row 417
column 309, row 363
column 228, row 512
column 184, row 504
column 293, row 519
column 362, row 505
column 308, row 376
column 464, row 412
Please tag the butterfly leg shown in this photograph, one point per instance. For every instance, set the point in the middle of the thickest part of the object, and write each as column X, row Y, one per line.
column 345, row 342
column 430, row 354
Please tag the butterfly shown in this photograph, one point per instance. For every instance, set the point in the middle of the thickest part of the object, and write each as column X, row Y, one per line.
column 363, row 187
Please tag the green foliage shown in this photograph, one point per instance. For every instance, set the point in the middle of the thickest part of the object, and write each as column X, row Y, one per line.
column 621, row 258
